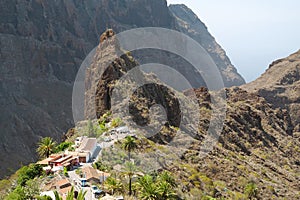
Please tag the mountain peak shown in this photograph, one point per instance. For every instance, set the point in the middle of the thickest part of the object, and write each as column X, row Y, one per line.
column 280, row 85
column 186, row 21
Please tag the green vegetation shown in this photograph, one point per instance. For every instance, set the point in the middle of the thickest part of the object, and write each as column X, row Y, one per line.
column 65, row 172
column 27, row 184
column 90, row 129
column 116, row 122
column 129, row 171
column 113, row 185
column 129, row 145
column 78, row 171
column 206, row 197
column 251, row 190
column 147, row 187
column 17, row 194
column 159, row 187
column 28, row 173
column 71, row 196
column 46, row 146
column 101, row 166
column 43, row 198
column 102, row 121
column 63, row 146
column 129, row 180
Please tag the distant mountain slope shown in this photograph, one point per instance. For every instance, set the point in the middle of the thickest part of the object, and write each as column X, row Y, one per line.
column 42, row 46
column 280, row 86
column 188, row 23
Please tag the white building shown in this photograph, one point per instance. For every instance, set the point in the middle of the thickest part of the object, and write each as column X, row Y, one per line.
column 86, row 148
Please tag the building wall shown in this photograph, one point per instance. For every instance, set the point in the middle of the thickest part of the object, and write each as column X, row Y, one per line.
column 82, row 159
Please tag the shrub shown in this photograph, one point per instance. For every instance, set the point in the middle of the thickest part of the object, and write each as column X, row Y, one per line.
column 101, row 166
column 78, row 171
column 16, row 194
column 43, row 198
column 63, row 146
column 116, row 122
column 29, row 172
column 90, row 129
column 66, row 172
column 206, row 197
column 250, row 190
column 4, row 185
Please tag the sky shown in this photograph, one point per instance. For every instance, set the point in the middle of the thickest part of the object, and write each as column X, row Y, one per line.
column 253, row 32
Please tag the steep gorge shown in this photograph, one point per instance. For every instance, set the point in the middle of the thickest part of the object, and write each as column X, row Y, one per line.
column 42, row 46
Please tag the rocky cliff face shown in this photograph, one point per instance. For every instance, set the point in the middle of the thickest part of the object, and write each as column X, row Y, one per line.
column 187, row 22
column 42, row 46
column 108, row 66
column 280, row 86
column 256, row 145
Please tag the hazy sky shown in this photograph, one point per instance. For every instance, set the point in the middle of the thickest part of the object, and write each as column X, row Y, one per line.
column 253, row 32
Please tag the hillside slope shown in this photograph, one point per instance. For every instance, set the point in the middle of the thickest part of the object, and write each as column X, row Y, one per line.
column 258, row 145
column 42, row 46
column 280, row 86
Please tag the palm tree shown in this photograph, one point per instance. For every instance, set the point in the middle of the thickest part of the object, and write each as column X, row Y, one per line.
column 165, row 186
column 46, row 146
column 166, row 176
column 129, row 145
column 147, row 188
column 129, row 171
column 113, row 185
column 81, row 195
column 165, row 191
column 159, row 188
column 70, row 195
column 57, row 197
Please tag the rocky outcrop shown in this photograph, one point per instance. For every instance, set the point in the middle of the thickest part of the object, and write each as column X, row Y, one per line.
column 42, row 46
column 256, row 145
column 109, row 64
column 257, row 139
column 187, row 22
column 280, row 86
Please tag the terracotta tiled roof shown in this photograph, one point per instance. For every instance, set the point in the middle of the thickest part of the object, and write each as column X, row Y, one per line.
column 68, row 161
column 62, row 159
column 51, row 158
column 90, row 172
column 45, row 161
column 63, row 182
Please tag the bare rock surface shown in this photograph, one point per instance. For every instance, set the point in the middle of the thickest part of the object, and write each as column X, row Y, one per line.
column 280, row 86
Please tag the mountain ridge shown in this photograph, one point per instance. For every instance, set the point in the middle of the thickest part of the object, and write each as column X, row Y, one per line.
column 257, row 148
column 258, row 144
column 280, row 85
column 42, row 46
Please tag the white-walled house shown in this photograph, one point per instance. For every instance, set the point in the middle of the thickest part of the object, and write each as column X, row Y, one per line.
column 86, row 149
